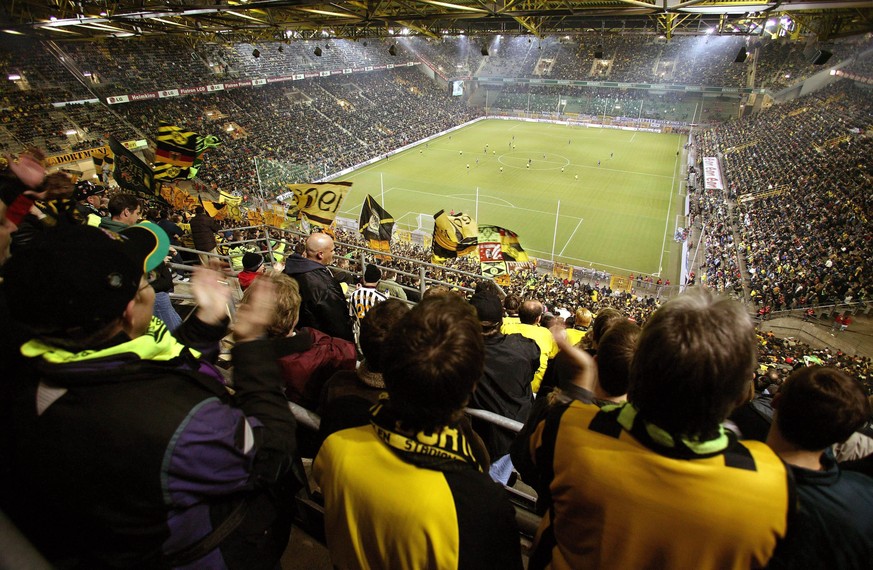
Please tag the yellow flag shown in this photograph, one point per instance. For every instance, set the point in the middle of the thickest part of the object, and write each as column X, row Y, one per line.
column 319, row 202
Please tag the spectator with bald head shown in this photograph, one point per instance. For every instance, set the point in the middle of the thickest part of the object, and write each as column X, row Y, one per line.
column 323, row 305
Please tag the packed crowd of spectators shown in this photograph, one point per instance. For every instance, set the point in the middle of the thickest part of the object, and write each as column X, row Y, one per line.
column 795, row 215
column 801, row 173
column 117, row 66
column 208, row 455
column 597, row 102
column 323, row 125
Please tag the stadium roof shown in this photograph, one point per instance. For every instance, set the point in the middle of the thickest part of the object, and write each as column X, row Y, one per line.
column 261, row 20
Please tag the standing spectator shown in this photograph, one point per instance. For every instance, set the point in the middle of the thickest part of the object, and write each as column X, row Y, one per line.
column 365, row 297
column 841, row 322
column 307, row 357
column 505, row 385
column 663, row 462
column 530, row 313
column 198, row 477
column 406, row 491
column 390, row 287
column 814, row 409
column 323, row 306
column 90, row 199
column 124, row 211
column 253, row 266
column 203, row 230
column 348, row 396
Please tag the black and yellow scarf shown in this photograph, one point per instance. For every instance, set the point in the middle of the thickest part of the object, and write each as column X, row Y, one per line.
column 445, row 449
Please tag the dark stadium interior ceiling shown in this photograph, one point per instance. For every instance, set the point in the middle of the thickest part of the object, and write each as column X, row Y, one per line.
column 263, row 20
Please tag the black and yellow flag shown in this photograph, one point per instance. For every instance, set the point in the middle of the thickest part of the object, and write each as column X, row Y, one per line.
column 232, row 205
column 376, row 225
column 454, row 235
column 130, row 172
column 319, row 202
column 101, row 156
column 176, row 146
column 500, row 252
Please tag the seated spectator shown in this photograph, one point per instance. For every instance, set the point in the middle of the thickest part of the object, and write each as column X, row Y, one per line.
column 253, row 266
column 662, row 464
column 307, row 357
column 407, row 491
column 505, row 385
column 814, row 409
column 349, row 394
column 128, row 448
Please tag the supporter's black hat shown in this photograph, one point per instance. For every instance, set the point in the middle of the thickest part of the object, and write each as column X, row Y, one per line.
column 84, row 189
column 252, row 261
column 80, row 276
column 488, row 307
column 372, row 274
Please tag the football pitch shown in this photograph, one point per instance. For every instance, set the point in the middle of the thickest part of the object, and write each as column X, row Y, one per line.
column 590, row 197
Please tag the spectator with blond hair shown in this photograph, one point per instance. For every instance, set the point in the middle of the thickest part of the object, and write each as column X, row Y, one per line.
column 307, row 356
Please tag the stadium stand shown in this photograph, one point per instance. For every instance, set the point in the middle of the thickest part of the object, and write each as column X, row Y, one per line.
column 790, row 231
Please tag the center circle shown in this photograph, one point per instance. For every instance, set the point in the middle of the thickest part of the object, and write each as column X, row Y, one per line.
column 519, row 159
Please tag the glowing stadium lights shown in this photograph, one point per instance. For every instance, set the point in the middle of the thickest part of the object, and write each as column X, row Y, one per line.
column 14, row 77
column 14, row 32
column 455, row 6
column 770, row 23
column 246, row 16
column 710, row 30
column 53, row 18
column 328, row 13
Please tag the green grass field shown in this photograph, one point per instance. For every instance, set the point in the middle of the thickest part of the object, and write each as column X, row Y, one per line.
column 619, row 215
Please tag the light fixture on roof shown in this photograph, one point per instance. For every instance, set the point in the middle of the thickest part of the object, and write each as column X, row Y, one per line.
column 14, row 77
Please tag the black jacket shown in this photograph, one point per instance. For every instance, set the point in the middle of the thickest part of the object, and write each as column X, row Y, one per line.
column 203, row 229
column 323, row 304
column 505, row 387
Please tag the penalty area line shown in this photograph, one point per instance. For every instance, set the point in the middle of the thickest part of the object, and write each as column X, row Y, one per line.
column 579, row 223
